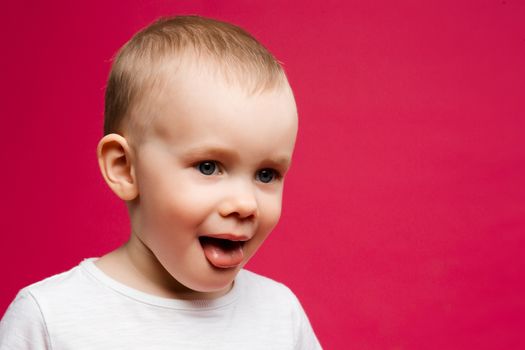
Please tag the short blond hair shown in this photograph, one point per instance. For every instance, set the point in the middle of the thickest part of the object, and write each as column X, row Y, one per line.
column 139, row 65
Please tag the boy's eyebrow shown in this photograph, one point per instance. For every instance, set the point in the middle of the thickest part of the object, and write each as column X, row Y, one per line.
column 281, row 162
column 210, row 151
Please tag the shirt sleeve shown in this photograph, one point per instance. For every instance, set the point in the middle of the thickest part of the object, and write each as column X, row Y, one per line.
column 22, row 326
column 305, row 336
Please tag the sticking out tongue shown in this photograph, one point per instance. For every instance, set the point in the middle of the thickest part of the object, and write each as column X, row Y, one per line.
column 222, row 253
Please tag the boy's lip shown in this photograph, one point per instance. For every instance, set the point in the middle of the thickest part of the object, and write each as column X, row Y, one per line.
column 228, row 236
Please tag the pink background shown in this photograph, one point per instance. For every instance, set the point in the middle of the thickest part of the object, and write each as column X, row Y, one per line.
column 404, row 213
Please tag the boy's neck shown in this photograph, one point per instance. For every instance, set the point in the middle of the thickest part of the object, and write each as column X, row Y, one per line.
column 134, row 265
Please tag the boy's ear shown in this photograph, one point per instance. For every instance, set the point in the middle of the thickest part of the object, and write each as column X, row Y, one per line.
column 114, row 159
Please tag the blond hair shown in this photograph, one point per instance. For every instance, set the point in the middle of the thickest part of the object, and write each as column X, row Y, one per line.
column 140, row 64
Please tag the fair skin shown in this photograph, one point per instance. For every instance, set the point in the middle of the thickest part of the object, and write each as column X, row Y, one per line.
column 203, row 184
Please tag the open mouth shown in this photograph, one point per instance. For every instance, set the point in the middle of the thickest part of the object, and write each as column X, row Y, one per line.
column 222, row 253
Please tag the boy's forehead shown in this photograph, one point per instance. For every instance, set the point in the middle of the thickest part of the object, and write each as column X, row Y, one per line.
column 202, row 87
column 195, row 90
column 202, row 111
column 182, row 77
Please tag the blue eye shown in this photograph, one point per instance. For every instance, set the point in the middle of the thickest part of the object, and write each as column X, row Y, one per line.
column 207, row 167
column 266, row 175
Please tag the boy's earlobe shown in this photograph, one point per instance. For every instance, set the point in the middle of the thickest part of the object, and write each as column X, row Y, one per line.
column 114, row 159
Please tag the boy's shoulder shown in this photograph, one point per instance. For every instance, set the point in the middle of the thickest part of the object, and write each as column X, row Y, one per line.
column 60, row 285
column 86, row 280
column 70, row 296
column 86, row 289
column 74, row 306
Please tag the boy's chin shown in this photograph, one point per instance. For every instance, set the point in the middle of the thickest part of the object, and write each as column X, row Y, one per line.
column 209, row 285
column 210, row 291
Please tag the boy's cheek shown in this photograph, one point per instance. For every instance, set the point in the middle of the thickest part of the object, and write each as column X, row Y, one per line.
column 269, row 218
column 272, row 206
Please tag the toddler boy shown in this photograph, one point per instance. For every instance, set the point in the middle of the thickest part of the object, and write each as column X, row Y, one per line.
column 200, row 126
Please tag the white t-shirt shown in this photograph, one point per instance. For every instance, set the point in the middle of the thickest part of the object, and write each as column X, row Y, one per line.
column 84, row 308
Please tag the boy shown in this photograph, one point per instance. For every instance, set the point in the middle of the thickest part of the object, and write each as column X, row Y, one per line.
column 200, row 126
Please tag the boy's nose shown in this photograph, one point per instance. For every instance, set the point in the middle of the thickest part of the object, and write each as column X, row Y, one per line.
column 240, row 201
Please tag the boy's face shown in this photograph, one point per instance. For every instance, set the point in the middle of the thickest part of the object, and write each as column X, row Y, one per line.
column 210, row 173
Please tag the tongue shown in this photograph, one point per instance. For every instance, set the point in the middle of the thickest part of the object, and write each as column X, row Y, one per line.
column 222, row 253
